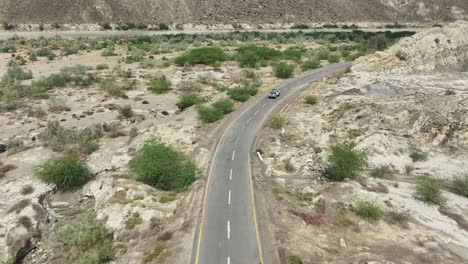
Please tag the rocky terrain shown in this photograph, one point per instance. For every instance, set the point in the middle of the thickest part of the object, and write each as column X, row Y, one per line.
column 101, row 100
column 410, row 117
column 250, row 12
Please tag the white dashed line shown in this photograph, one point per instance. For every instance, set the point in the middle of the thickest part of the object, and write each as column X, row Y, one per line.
column 256, row 112
column 228, row 229
column 248, row 120
column 229, row 197
column 228, row 260
column 263, row 105
column 233, row 154
column 230, row 175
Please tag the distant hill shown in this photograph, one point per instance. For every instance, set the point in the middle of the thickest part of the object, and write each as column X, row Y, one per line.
column 230, row 11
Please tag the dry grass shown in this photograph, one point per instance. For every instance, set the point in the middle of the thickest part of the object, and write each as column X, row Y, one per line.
column 120, row 197
column 311, row 218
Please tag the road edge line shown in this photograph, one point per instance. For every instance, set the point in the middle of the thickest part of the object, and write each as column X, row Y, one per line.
column 257, row 233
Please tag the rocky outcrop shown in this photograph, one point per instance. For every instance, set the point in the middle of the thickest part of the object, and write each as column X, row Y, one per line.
column 434, row 50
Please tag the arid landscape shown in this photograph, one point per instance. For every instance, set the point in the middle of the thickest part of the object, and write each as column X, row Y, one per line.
column 108, row 141
column 405, row 109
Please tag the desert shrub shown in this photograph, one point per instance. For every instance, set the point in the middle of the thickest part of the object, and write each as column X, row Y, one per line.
column 189, row 86
column 207, row 55
column 158, row 253
column 383, row 172
column 330, row 26
column 369, row 210
column 160, row 86
column 188, row 99
column 57, row 105
column 209, row 114
column 45, row 52
column 70, row 49
column 32, row 56
column 112, row 87
column 397, row 217
column 283, row 70
column 102, row 66
column 8, row 26
column 345, row 162
column 168, row 197
column 294, row 259
column 162, row 166
column 253, row 55
column 428, row 190
column 310, row 64
column 278, row 121
column 109, row 51
column 310, row 99
column 14, row 75
column 126, row 111
column 322, row 54
column 4, row 168
column 333, row 58
column 27, row 189
column 19, row 206
column 66, row 172
column 344, row 222
column 378, row 42
column 242, row 93
column 460, row 185
column 300, row 26
column 59, row 138
column 224, row 105
column 293, row 54
column 163, row 26
column 136, row 55
column 417, row 154
column 150, row 64
column 86, row 241
column 134, row 220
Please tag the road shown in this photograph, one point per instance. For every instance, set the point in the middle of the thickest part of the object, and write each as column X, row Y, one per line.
column 228, row 230
column 109, row 33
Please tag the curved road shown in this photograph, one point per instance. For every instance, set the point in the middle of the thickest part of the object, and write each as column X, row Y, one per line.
column 228, row 230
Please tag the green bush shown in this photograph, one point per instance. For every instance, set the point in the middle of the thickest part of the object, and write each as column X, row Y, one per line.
column 333, row 58
column 294, row 259
column 224, row 105
column 209, row 114
column 253, row 55
column 66, row 172
column 397, row 217
column 293, row 54
column 278, row 121
column 45, row 52
column 310, row 99
column 345, row 162
column 168, row 197
column 188, row 99
column 207, row 55
column 14, row 75
column 460, row 184
column 160, row 86
column 416, row 154
column 383, row 172
column 163, row 167
column 322, row 54
column 428, row 190
column 126, row 111
column 242, row 93
column 300, row 26
column 310, row 64
column 283, row 70
column 136, row 55
column 369, row 210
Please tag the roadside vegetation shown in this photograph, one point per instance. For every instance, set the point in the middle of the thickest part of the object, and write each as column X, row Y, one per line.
column 345, row 162
column 428, row 190
column 162, row 166
column 66, row 172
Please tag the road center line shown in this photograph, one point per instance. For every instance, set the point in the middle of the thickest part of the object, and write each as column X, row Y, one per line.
column 230, row 175
column 229, row 198
column 248, row 120
column 228, row 229
column 263, row 105
column 256, row 112
column 233, row 154
column 228, row 260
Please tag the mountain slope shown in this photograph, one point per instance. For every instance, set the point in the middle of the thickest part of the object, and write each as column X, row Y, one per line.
column 229, row 11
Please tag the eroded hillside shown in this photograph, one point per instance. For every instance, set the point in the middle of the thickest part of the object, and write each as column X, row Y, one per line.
column 183, row 11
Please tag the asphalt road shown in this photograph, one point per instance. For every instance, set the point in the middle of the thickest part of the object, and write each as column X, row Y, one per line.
column 228, row 231
column 109, row 33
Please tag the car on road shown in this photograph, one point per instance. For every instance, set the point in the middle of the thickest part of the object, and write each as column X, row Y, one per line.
column 274, row 94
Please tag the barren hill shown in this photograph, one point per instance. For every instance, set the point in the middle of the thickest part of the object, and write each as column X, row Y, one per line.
column 229, row 11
